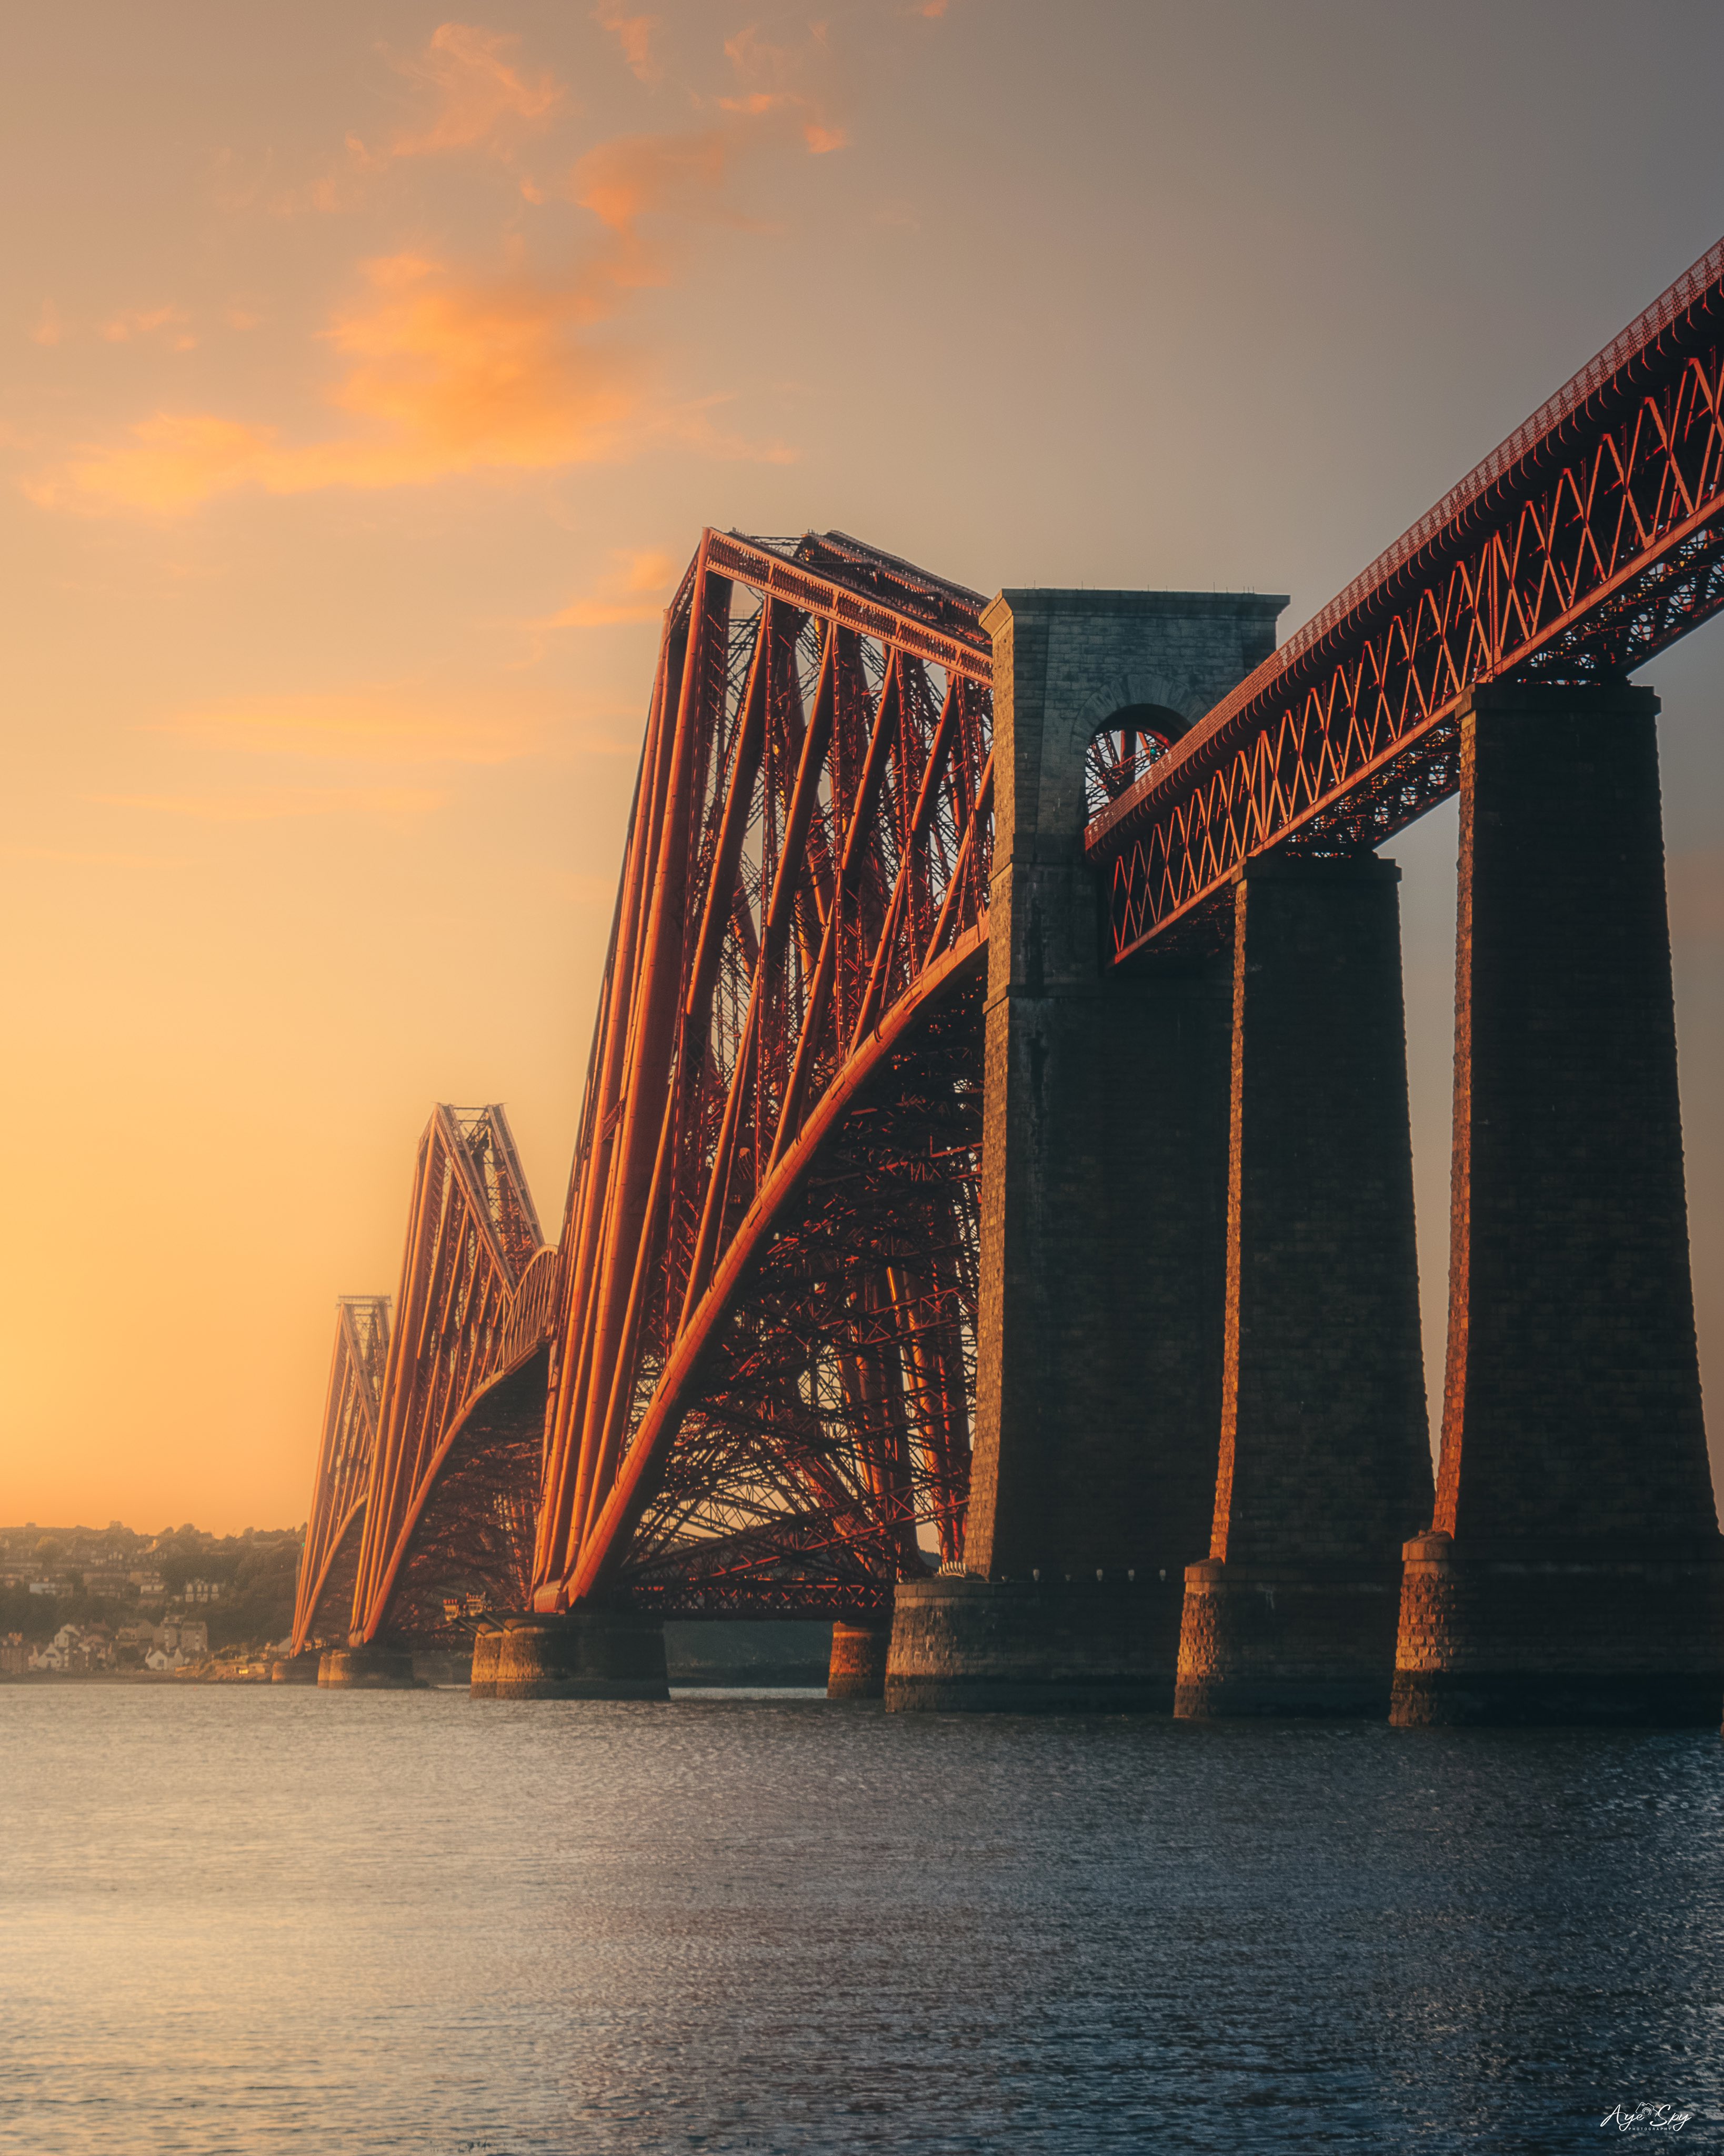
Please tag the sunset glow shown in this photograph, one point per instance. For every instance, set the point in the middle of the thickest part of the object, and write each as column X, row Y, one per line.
column 366, row 381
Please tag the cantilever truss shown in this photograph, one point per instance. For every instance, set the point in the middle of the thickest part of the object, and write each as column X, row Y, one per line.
column 765, row 1359
column 752, row 1357
column 1590, row 541
column 329, row 1564
column 446, row 1484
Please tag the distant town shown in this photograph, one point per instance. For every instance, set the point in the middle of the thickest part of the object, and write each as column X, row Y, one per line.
column 110, row 1602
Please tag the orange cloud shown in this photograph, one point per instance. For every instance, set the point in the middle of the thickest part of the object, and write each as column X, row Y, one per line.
column 447, row 377
column 474, row 96
column 635, row 590
column 482, row 99
column 448, row 373
column 634, row 34
column 172, row 462
column 271, row 804
column 483, row 373
column 778, row 71
column 818, row 137
column 634, row 177
column 637, row 176
column 141, row 321
column 48, row 329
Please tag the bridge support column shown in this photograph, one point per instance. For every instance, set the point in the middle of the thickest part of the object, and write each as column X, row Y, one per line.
column 1573, row 1573
column 1325, row 1456
column 858, row 1669
column 587, row 1654
column 1104, row 1178
column 487, row 1648
column 371, row 1668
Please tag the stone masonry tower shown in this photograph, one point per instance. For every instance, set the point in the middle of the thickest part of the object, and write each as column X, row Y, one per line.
column 1104, row 1197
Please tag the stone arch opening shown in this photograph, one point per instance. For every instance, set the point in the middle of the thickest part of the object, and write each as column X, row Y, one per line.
column 1126, row 744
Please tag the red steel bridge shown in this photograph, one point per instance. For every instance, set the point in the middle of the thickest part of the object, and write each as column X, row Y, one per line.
column 743, row 1380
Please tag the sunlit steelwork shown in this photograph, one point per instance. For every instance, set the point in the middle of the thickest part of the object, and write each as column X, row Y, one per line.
column 769, row 1253
column 448, row 1501
column 744, row 1382
column 1590, row 541
column 329, row 1563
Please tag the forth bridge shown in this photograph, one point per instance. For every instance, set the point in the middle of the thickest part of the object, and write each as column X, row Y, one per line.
column 991, row 1223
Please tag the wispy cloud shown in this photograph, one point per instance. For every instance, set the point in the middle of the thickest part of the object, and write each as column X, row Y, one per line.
column 639, row 176
column 634, row 34
column 445, row 370
column 478, row 97
column 447, row 374
column 775, row 78
column 472, row 95
column 275, row 803
column 170, row 322
column 48, row 328
column 635, row 590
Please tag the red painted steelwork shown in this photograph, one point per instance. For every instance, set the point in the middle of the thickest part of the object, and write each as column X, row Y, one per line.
column 1590, row 540
column 744, row 1381
column 442, row 1495
column 345, row 1457
column 769, row 1249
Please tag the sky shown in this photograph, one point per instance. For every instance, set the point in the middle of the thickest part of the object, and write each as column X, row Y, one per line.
column 366, row 377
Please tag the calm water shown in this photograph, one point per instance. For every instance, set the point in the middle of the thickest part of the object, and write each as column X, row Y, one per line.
column 248, row 1920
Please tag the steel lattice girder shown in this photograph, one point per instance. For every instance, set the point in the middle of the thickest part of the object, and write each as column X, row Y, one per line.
column 1590, row 540
column 749, row 1333
column 759, row 1331
column 459, row 1410
column 345, row 1457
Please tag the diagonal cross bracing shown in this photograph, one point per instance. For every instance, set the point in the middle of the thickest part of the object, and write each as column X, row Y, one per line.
column 347, row 1456
column 1587, row 541
column 433, row 1430
column 768, row 1252
column 744, row 1379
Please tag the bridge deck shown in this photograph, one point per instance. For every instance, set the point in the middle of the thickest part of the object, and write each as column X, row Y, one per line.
column 1584, row 544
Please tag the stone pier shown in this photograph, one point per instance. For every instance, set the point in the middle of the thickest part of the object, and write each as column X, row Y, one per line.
column 858, row 1662
column 487, row 1648
column 375, row 1667
column 585, row 1654
column 1324, row 1454
column 1104, row 1182
column 1572, row 1574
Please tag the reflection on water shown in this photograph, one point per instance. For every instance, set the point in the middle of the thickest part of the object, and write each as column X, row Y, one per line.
column 265, row 1920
